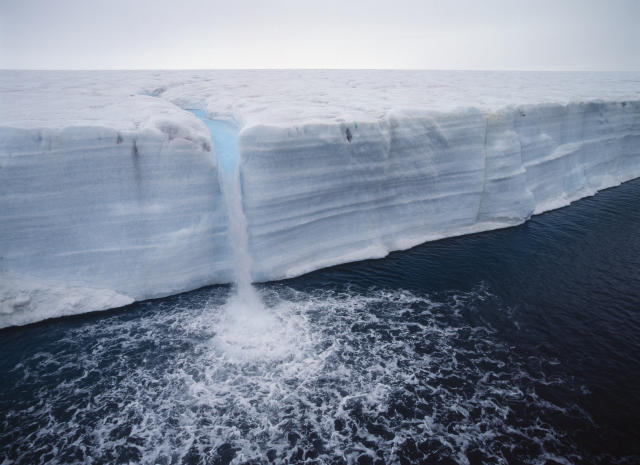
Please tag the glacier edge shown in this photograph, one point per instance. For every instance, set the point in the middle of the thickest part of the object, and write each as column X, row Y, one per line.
column 416, row 176
column 92, row 214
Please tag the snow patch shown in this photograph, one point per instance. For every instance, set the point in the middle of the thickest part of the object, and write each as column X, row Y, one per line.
column 25, row 299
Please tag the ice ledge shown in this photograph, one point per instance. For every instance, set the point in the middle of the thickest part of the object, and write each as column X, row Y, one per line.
column 80, row 205
column 366, row 188
column 25, row 299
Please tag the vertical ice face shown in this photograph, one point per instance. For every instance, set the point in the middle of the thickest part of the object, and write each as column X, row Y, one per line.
column 129, row 213
column 315, row 198
column 322, row 194
column 575, row 150
column 506, row 198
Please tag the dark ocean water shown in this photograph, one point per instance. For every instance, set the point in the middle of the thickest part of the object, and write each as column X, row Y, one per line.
column 513, row 346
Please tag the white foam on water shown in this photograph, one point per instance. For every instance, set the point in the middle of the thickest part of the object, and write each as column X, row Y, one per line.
column 323, row 376
column 246, row 330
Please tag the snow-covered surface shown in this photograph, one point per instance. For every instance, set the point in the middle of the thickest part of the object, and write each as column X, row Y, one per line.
column 108, row 186
column 27, row 300
column 61, row 98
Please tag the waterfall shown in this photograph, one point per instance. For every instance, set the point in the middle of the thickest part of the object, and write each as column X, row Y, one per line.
column 246, row 330
column 238, row 238
column 225, row 142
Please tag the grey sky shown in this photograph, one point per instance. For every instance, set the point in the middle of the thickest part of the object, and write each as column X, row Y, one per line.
column 454, row 34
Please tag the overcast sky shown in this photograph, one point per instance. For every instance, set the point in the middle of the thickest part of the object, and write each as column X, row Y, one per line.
column 431, row 34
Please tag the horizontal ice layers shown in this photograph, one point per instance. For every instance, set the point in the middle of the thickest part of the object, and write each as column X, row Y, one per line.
column 93, row 217
column 321, row 194
column 109, row 196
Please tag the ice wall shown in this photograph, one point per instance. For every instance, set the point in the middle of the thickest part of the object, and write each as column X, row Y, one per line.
column 322, row 194
column 95, row 217
column 108, row 196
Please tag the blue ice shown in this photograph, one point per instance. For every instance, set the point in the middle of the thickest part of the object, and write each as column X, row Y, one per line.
column 225, row 141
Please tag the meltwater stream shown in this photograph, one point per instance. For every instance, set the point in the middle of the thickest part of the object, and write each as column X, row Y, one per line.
column 506, row 347
column 250, row 330
column 225, row 144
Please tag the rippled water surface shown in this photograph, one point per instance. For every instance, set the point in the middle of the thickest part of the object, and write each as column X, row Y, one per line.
column 513, row 346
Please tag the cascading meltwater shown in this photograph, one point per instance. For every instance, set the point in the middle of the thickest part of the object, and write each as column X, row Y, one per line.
column 225, row 145
column 247, row 328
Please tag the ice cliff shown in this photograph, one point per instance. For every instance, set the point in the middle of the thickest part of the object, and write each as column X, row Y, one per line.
column 109, row 189
column 99, row 214
column 323, row 194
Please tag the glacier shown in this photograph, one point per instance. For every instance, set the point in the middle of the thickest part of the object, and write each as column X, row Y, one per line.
column 365, row 189
column 128, row 211
column 111, row 192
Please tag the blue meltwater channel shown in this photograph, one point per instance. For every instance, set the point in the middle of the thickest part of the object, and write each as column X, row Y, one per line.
column 225, row 142
column 224, row 137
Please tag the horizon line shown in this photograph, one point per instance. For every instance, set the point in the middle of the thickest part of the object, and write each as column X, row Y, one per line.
column 334, row 69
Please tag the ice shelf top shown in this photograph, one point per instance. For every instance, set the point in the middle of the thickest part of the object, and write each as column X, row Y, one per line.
column 130, row 100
